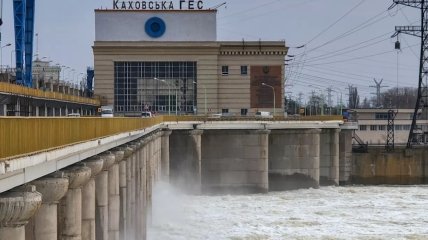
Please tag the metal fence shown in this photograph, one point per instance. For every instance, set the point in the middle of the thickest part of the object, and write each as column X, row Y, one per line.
column 27, row 135
column 31, row 92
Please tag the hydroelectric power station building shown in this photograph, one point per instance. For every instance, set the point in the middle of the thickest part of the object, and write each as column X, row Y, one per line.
column 168, row 60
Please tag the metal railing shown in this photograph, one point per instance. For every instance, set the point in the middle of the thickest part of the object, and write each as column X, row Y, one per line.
column 28, row 135
column 20, row 136
column 31, row 92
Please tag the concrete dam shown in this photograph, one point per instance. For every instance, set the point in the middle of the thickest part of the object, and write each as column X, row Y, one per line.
column 102, row 188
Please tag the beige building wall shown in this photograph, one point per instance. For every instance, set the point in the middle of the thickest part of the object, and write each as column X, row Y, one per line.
column 231, row 91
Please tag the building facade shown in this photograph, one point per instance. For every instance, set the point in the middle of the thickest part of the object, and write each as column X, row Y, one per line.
column 373, row 125
column 170, row 62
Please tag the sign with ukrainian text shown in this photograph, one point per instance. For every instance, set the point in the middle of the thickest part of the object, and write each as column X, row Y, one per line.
column 158, row 5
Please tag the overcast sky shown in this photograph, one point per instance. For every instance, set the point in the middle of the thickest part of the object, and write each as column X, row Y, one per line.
column 346, row 41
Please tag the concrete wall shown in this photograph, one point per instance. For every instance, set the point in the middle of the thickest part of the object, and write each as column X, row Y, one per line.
column 294, row 159
column 186, row 26
column 329, row 157
column 185, row 160
column 345, row 156
column 402, row 166
column 235, row 161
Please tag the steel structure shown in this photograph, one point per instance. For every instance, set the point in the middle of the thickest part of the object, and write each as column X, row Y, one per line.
column 89, row 82
column 421, row 32
column 24, row 31
column 390, row 137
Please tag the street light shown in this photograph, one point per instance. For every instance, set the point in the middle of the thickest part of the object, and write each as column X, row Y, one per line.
column 273, row 90
column 1, row 55
column 205, row 96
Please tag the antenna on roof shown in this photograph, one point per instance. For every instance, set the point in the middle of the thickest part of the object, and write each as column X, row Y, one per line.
column 218, row 6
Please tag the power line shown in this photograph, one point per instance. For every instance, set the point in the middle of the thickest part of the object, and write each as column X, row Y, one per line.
column 337, row 21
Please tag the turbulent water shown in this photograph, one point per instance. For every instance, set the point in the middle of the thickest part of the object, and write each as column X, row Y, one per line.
column 357, row 212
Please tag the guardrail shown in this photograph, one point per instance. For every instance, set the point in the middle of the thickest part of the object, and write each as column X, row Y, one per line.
column 31, row 92
column 23, row 136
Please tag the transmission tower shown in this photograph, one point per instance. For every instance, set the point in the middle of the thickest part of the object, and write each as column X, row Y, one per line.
column 378, row 95
column 421, row 32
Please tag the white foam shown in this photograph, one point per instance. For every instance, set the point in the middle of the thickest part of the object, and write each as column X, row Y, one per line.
column 384, row 212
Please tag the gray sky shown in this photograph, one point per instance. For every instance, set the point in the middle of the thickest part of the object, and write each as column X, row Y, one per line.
column 66, row 34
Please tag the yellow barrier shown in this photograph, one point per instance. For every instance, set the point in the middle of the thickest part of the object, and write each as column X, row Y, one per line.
column 20, row 135
column 26, row 135
column 31, row 92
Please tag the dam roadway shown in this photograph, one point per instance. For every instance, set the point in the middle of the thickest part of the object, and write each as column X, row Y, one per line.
column 92, row 178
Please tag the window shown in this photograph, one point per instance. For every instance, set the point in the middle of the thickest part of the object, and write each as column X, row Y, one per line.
column 381, row 127
column 363, row 127
column 244, row 112
column 224, row 70
column 244, row 70
column 373, row 127
column 381, row 116
column 398, row 127
column 406, row 127
column 154, row 86
column 225, row 110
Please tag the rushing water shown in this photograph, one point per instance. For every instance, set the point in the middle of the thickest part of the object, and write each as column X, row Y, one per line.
column 356, row 212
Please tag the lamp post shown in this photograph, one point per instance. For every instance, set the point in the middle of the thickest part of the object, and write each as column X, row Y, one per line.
column 1, row 55
column 205, row 97
column 273, row 90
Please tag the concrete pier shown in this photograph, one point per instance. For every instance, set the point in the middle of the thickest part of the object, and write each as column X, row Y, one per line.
column 185, row 160
column 102, row 197
column 114, row 197
column 165, row 157
column 16, row 208
column 44, row 223
column 70, row 214
column 123, row 211
column 294, row 159
column 329, row 157
column 345, row 156
column 88, row 197
column 235, row 161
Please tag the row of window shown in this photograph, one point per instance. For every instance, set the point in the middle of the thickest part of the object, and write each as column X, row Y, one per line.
column 384, row 127
column 225, row 70
column 384, row 116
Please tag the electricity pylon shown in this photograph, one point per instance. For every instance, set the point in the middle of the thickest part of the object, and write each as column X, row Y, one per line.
column 421, row 32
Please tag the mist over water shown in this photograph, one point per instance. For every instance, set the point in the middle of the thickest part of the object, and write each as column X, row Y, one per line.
column 355, row 212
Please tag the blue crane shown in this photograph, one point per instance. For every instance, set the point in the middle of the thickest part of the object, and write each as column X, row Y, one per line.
column 23, row 11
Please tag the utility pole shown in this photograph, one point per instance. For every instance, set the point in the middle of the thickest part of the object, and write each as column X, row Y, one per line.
column 421, row 32
column 329, row 100
column 378, row 95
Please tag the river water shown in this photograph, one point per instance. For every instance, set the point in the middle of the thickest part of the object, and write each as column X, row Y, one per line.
column 353, row 212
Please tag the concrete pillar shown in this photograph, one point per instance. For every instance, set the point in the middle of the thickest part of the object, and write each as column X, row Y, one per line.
column 142, row 210
column 235, row 161
column 294, row 159
column 17, row 206
column 131, row 191
column 345, row 156
column 165, row 155
column 70, row 213
column 43, row 225
column 102, row 197
column 88, row 198
column 329, row 157
column 114, row 197
column 123, row 213
column 185, row 160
